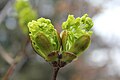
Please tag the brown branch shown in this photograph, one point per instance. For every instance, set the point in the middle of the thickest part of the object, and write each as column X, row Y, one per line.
column 9, row 72
column 56, row 69
column 15, row 64
column 6, row 56
column 15, row 67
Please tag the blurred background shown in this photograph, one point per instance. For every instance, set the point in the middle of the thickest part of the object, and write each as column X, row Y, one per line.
column 18, row 61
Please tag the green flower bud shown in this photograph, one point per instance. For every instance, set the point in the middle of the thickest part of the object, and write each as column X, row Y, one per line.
column 76, row 35
column 45, row 39
column 86, row 22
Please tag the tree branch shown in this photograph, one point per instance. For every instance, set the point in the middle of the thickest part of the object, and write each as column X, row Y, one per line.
column 56, row 69
column 6, row 56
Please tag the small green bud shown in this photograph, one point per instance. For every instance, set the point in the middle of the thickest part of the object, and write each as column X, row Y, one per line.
column 86, row 22
column 45, row 39
column 76, row 35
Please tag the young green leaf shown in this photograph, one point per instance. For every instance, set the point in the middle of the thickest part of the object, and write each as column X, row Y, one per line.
column 45, row 39
column 76, row 35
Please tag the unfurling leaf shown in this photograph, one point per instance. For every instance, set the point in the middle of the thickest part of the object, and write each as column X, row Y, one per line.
column 76, row 35
column 45, row 39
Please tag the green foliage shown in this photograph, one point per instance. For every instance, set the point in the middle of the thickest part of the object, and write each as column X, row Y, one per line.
column 25, row 14
column 75, row 38
column 74, row 28
column 45, row 38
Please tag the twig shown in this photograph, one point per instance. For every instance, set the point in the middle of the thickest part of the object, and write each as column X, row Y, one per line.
column 56, row 66
column 56, row 69
column 18, row 67
column 6, row 56
column 14, row 68
column 9, row 72
column 15, row 64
